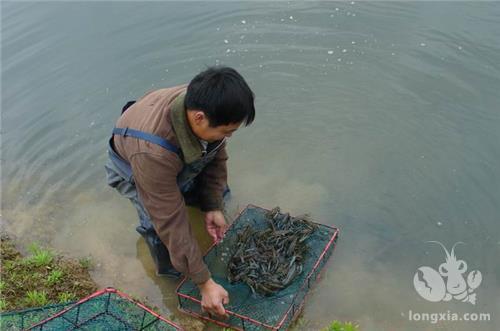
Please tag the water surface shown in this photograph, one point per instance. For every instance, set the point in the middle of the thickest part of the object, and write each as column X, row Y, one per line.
column 381, row 118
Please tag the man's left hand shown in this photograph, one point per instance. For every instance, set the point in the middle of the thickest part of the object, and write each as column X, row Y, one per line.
column 215, row 224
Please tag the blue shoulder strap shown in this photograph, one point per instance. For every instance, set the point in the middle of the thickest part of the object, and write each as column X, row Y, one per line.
column 146, row 136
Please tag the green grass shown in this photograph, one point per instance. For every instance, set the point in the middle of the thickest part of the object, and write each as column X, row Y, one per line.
column 40, row 278
column 300, row 324
column 342, row 326
column 3, row 304
column 40, row 257
column 54, row 277
column 85, row 262
column 36, row 298
column 65, row 297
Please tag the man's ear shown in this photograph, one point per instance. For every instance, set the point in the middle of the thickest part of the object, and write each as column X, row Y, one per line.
column 198, row 116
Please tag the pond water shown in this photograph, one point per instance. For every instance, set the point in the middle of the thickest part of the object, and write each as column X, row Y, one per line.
column 381, row 118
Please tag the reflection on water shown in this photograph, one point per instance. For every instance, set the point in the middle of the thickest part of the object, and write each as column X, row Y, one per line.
column 378, row 117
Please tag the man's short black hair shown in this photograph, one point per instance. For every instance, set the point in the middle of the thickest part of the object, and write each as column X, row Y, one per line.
column 223, row 95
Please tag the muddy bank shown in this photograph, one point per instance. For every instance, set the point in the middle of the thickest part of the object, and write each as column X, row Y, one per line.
column 41, row 277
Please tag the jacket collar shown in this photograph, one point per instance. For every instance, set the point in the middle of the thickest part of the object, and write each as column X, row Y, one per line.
column 188, row 142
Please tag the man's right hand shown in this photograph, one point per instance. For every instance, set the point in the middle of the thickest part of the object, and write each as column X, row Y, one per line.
column 213, row 298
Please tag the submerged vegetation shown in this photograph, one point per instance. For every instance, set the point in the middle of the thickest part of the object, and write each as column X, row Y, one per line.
column 40, row 278
column 342, row 326
column 304, row 324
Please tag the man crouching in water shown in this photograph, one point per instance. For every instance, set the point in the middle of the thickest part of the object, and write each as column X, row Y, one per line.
column 168, row 151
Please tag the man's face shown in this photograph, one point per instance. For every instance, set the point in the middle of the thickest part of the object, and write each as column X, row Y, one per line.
column 200, row 125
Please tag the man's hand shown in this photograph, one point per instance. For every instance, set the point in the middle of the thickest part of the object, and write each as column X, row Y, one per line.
column 213, row 298
column 215, row 224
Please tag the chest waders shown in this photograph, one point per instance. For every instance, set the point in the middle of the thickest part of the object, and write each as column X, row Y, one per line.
column 120, row 176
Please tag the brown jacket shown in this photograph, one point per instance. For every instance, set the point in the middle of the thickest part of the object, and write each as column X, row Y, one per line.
column 155, row 171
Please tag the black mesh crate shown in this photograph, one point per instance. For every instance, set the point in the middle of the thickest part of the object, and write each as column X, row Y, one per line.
column 23, row 319
column 249, row 311
column 108, row 309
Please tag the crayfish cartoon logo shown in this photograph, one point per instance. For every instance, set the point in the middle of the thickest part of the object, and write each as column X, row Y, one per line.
column 449, row 281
